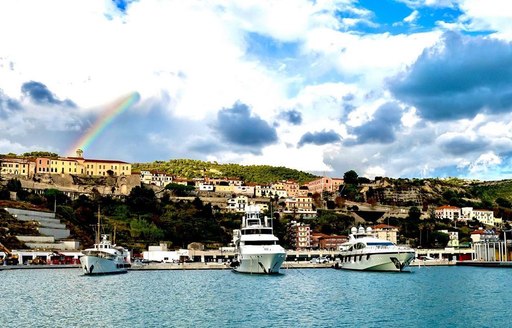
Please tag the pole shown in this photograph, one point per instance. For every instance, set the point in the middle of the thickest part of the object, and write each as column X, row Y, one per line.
column 505, row 246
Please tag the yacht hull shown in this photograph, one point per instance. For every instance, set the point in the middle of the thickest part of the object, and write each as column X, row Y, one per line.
column 394, row 262
column 268, row 261
column 93, row 265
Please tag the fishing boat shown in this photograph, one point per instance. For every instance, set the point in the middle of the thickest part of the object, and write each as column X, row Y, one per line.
column 104, row 257
column 364, row 251
column 256, row 246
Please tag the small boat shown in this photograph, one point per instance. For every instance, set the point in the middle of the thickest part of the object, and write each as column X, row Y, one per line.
column 256, row 246
column 364, row 251
column 104, row 257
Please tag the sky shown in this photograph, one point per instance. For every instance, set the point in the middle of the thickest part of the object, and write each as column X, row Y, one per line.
column 396, row 88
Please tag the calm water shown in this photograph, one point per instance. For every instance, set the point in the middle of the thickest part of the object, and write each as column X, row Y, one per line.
column 426, row 297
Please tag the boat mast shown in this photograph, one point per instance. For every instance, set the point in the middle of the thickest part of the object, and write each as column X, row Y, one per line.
column 98, row 227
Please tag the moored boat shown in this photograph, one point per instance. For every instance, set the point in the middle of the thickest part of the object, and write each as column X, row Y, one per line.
column 257, row 248
column 104, row 257
column 364, row 251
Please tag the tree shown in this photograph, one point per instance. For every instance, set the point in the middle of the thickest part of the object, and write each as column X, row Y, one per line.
column 178, row 189
column 14, row 185
column 414, row 213
column 350, row 177
column 142, row 200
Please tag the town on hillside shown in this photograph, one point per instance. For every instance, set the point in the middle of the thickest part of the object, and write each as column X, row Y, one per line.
column 316, row 214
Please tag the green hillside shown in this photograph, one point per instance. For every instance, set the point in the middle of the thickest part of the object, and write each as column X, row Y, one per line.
column 262, row 174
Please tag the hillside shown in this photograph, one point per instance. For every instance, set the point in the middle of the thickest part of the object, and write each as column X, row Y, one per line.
column 188, row 168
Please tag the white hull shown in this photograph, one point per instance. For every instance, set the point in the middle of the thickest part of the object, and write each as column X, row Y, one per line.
column 376, row 261
column 260, row 259
column 93, row 265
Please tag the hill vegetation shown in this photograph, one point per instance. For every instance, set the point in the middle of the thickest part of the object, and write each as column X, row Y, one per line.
column 262, row 174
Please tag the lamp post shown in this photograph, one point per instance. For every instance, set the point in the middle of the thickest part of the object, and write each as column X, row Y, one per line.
column 505, row 239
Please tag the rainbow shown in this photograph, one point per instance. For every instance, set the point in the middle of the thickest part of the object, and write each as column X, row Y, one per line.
column 106, row 117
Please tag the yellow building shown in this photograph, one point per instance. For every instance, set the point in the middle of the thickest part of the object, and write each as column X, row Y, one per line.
column 101, row 167
column 66, row 166
column 17, row 167
column 82, row 166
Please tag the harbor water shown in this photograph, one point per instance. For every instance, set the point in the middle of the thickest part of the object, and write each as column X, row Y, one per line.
column 425, row 297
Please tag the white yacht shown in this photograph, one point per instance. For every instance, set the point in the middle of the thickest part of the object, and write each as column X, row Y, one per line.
column 105, row 258
column 364, row 251
column 257, row 249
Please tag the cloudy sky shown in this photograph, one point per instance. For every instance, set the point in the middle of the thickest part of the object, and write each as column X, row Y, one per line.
column 404, row 88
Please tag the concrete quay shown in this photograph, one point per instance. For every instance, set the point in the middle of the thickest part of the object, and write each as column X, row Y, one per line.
column 219, row 266
column 39, row 266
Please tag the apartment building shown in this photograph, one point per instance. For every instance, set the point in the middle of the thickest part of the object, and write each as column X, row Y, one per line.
column 17, row 167
column 325, row 184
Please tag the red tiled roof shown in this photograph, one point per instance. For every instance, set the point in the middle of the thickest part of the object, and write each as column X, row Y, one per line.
column 449, row 207
column 384, row 226
column 97, row 160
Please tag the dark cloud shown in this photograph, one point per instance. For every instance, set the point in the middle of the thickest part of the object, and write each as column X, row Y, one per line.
column 7, row 105
column 39, row 94
column 237, row 126
column 348, row 97
column 381, row 129
column 458, row 78
column 319, row 138
column 292, row 116
column 460, row 145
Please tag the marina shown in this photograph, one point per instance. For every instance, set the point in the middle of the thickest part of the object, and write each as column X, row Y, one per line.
column 446, row 296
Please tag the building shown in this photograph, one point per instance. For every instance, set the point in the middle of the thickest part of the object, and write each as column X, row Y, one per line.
column 17, row 167
column 483, row 216
column 82, row 166
column 327, row 242
column 300, row 205
column 237, row 204
column 387, row 232
column 244, row 190
column 299, row 235
column 453, row 238
column 156, row 178
column 325, row 184
column 448, row 212
column 291, row 187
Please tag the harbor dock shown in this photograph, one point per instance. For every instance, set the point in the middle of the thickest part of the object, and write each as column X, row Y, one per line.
column 221, row 266
column 487, row 264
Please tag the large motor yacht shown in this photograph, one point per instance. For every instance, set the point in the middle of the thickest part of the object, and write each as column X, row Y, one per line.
column 364, row 251
column 257, row 249
column 105, row 258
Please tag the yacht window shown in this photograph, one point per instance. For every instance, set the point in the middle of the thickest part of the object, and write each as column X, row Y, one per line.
column 359, row 246
column 384, row 243
column 260, row 242
column 261, row 231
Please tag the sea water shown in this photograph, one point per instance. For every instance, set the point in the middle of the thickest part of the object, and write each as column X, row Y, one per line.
column 425, row 297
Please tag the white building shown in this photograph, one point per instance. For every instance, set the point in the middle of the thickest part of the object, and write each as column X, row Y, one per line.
column 244, row 190
column 163, row 255
column 156, row 178
column 483, row 216
column 448, row 212
column 238, row 203
column 206, row 187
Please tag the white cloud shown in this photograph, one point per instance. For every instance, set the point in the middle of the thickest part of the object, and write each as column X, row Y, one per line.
column 484, row 163
column 412, row 17
column 494, row 15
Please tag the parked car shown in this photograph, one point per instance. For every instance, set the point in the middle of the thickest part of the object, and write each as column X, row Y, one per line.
column 319, row 260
